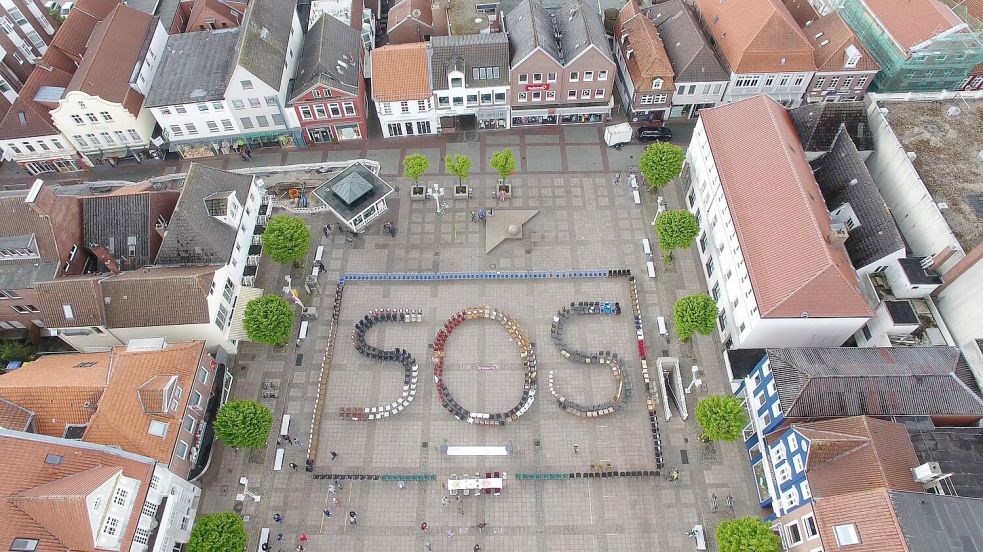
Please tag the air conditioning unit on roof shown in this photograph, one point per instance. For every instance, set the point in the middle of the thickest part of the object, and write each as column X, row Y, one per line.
column 926, row 472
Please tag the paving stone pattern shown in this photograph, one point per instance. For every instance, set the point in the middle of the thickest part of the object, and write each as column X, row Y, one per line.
column 586, row 221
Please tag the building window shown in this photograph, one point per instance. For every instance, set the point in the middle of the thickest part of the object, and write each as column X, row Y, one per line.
column 793, row 533
column 784, row 81
column 262, row 121
column 798, row 80
column 588, row 76
column 77, row 119
column 107, row 138
column 709, row 267
column 404, row 107
column 574, row 76
column 847, row 82
column 747, row 82
column 155, row 482
column 523, row 78
column 657, row 84
column 522, row 96
column 443, row 101
column 602, row 75
column 217, row 106
column 120, row 497
column 599, row 93
column 157, row 428
column 192, row 129
column 120, row 136
column 472, row 100
column 181, row 450
column 457, row 82
column 212, row 126
column 246, row 84
column 809, row 523
column 550, row 77
column 238, row 104
column 165, row 111
column 24, row 545
column 819, row 83
column 784, row 473
column 305, row 113
column 585, row 94
column 111, row 527
column 271, row 101
column 349, row 108
column 550, row 95
column 141, row 536
column 188, row 424
column 537, row 96
column 645, row 99
column 572, row 95
column 149, row 509
column 227, row 125
column 246, row 122
column 202, row 107
column 180, row 109
column 862, row 81
column 846, row 534
column 254, row 103
column 499, row 97
column 833, row 82
column 537, row 77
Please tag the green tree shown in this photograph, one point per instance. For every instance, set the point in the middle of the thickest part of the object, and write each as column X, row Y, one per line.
column 269, row 319
column 244, row 424
column 55, row 14
column 695, row 314
column 748, row 534
column 11, row 349
column 677, row 229
column 218, row 532
column 722, row 417
column 414, row 165
column 459, row 165
column 286, row 239
column 503, row 162
column 660, row 163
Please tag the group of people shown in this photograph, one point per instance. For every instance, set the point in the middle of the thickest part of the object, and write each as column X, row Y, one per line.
column 390, row 228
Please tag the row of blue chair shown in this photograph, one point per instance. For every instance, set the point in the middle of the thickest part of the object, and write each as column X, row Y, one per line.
column 415, row 276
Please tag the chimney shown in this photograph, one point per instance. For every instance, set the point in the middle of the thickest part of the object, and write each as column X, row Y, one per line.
column 838, row 233
column 940, row 258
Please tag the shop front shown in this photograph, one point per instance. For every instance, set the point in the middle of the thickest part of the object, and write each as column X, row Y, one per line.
column 574, row 115
column 227, row 145
column 492, row 118
column 63, row 165
column 687, row 111
column 534, row 117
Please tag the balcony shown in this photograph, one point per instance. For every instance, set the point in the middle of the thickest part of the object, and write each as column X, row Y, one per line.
column 155, row 524
column 250, row 270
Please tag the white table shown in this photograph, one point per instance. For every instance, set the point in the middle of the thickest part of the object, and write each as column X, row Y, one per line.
column 485, row 483
column 457, row 450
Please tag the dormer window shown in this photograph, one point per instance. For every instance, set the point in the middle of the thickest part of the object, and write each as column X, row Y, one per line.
column 457, row 82
column 852, row 56
column 657, row 84
column 624, row 37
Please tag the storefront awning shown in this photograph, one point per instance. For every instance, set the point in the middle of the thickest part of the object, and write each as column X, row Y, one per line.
column 237, row 329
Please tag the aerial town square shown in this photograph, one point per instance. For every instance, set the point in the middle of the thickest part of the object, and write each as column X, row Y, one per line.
column 467, row 275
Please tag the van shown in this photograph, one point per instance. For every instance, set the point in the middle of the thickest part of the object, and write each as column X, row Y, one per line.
column 65, row 8
column 663, row 331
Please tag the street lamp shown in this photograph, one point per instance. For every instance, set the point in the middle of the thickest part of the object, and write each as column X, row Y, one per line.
column 436, row 192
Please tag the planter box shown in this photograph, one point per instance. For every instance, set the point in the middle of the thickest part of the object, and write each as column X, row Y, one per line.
column 462, row 191
column 418, row 193
column 507, row 188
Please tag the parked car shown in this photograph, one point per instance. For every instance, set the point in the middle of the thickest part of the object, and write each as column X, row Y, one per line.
column 52, row 5
column 654, row 134
column 66, row 8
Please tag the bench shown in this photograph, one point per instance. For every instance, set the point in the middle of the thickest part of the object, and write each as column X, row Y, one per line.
column 650, row 266
column 278, row 461
column 264, row 537
column 637, row 198
column 647, row 247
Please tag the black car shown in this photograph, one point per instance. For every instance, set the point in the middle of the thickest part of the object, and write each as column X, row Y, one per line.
column 654, row 134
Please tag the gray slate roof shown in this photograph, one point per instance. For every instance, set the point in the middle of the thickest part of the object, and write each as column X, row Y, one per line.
column 958, row 450
column 690, row 53
column 843, row 178
column 110, row 220
column 468, row 52
column 22, row 275
column 356, row 177
column 580, row 26
column 264, row 34
column 822, row 382
column 195, row 68
column 530, row 26
column 326, row 60
column 818, row 124
column 934, row 523
column 193, row 236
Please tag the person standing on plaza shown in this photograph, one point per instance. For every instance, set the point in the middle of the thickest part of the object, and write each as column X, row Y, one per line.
column 444, row 501
column 278, row 518
column 334, row 455
column 293, row 466
column 327, row 513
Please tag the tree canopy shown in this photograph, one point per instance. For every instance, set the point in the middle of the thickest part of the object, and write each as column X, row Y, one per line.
column 660, row 163
column 269, row 319
column 677, row 229
column 503, row 162
column 459, row 165
column 244, row 424
column 748, row 534
column 722, row 417
column 218, row 532
column 695, row 314
column 286, row 238
column 414, row 165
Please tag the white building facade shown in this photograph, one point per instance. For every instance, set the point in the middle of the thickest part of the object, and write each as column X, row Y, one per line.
column 470, row 78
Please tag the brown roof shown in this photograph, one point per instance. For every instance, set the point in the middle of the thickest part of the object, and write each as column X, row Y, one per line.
column 81, row 293
column 919, row 21
column 417, row 10
column 649, row 60
column 151, row 296
column 831, row 37
column 400, row 72
column 794, row 269
column 756, row 36
column 112, row 53
column 870, row 511
column 17, row 218
column 26, row 117
column 36, row 502
column 122, row 419
column 57, row 388
column 14, row 416
column 151, row 394
column 858, row 453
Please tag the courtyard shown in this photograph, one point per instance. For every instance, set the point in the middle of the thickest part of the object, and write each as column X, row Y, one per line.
column 554, row 496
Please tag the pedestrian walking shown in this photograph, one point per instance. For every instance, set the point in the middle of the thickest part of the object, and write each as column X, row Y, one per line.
column 320, row 265
column 477, row 548
column 424, row 527
column 444, row 501
column 296, row 441
column 481, row 527
column 279, row 537
column 394, row 229
column 327, row 513
column 293, row 466
column 576, row 449
column 450, row 533
column 337, row 484
column 266, row 547
column 300, row 548
column 460, row 510
column 324, row 230
column 242, row 154
column 481, row 215
column 334, row 455
column 335, row 501
column 303, row 537
column 352, row 518
column 249, row 154
column 428, row 546
column 332, row 488
column 278, row 518
column 474, row 216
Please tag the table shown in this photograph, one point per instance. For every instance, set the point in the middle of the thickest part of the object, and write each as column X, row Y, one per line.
column 486, row 483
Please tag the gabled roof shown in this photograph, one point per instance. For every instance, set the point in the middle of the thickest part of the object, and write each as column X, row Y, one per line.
column 353, row 190
column 529, row 27
column 756, row 36
column 634, row 31
column 195, row 68
column 332, row 57
column 795, row 270
column 843, row 178
column 858, row 453
column 28, row 118
column 148, row 297
column 112, row 54
column 112, row 219
column 401, row 72
column 73, row 35
column 58, row 523
column 410, row 12
column 692, row 57
column 263, row 38
column 869, row 511
column 60, row 389
column 469, row 53
column 14, row 416
column 832, row 37
column 822, row 382
column 59, row 506
column 580, row 28
column 920, row 20
column 193, row 236
column 123, row 419
column 818, row 124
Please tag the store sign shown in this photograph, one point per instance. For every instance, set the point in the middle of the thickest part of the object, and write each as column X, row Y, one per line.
column 537, row 87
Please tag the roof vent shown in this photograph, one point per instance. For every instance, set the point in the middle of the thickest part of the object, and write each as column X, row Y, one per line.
column 911, row 155
column 817, row 35
column 953, row 111
column 853, row 182
column 416, row 13
column 926, row 472
column 823, row 43
column 781, row 61
column 804, row 314
column 264, row 33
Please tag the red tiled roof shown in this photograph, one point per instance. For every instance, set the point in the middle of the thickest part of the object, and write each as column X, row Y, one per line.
column 400, row 72
column 649, row 59
column 916, row 22
column 111, row 55
column 26, row 117
column 757, row 36
column 831, row 37
column 24, row 480
column 870, row 511
column 779, row 215
column 405, row 9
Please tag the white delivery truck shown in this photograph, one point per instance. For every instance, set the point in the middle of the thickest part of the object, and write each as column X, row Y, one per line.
column 617, row 135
